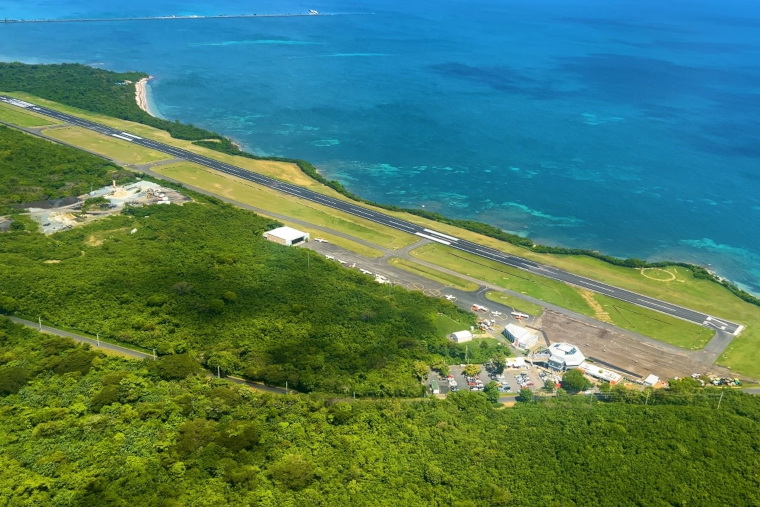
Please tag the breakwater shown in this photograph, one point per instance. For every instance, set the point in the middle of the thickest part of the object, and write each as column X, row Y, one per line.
column 164, row 18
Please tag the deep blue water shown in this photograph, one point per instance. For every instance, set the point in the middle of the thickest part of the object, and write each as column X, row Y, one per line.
column 629, row 127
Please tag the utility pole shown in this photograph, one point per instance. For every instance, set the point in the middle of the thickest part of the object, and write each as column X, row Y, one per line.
column 286, row 387
column 308, row 264
column 647, row 401
column 154, row 354
column 97, row 337
column 722, row 392
column 218, row 372
column 40, row 321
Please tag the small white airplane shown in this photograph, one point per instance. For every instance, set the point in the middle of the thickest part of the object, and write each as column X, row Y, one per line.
column 341, row 261
column 330, row 257
column 450, row 297
column 321, row 240
column 495, row 313
column 366, row 272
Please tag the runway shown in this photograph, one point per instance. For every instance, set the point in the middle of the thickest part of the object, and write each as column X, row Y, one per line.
column 719, row 325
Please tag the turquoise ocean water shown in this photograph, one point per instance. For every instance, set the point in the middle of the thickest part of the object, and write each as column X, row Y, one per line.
column 630, row 127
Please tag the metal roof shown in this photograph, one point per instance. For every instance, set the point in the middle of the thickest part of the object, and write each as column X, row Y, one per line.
column 286, row 233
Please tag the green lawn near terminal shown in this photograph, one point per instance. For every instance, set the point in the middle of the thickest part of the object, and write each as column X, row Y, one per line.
column 446, row 325
column 516, row 303
column 498, row 274
column 446, row 279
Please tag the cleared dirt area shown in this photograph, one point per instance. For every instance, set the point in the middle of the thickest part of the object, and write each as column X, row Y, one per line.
column 632, row 357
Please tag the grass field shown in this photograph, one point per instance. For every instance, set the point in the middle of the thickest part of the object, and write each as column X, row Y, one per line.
column 504, row 276
column 21, row 118
column 447, row 325
column 353, row 246
column 434, row 274
column 518, row 304
column 625, row 315
column 107, row 146
column 654, row 324
column 255, row 195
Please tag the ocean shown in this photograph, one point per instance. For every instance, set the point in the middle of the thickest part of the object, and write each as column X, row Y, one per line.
column 629, row 127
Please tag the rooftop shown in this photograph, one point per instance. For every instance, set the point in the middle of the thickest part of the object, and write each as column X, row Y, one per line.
column 286, row 233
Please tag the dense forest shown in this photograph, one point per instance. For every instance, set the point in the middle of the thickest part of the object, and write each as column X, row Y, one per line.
column 79, row 428
column 112, row 93
column 200, row 278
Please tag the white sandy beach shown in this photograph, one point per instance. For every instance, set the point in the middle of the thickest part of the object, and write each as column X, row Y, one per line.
column 141, row 94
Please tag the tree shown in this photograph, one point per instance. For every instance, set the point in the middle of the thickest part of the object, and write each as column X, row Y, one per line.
column 8, row 304
column 12, row 379
column 471, row 370
column 492, row 392
column 440, row 366
column 525, row 394
column 293, row 472
column 176, row 366
column 420, row 370
column 498, row 361
column 575, row 380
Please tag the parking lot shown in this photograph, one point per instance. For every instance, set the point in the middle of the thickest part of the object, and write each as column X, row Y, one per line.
column 507, row 380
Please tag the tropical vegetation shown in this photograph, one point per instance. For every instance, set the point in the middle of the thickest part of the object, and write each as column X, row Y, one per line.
column 80, row 428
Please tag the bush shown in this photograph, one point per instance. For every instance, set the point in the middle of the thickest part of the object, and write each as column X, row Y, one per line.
column 575, row 380
column 12, row 379
column 293, row 472
column 176, row 366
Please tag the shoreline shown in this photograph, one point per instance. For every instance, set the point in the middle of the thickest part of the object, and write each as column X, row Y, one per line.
column 141, row 98
column 141, row 95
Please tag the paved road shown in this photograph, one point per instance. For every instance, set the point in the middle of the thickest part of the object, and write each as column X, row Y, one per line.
column 396, row 223
column 83, row 339
column 135, row 353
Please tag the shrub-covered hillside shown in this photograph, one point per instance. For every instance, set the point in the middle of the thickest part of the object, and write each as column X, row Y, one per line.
column 200, row 278
column 78, row 428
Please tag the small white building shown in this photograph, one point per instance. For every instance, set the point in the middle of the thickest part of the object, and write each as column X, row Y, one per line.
column 521, row 337
column 564, row 356
column 651, row 380
column 461, row 336
column 286, row 236
column 595, row 371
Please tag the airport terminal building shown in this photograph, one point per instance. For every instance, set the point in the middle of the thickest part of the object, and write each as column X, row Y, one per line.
column 564, row 356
